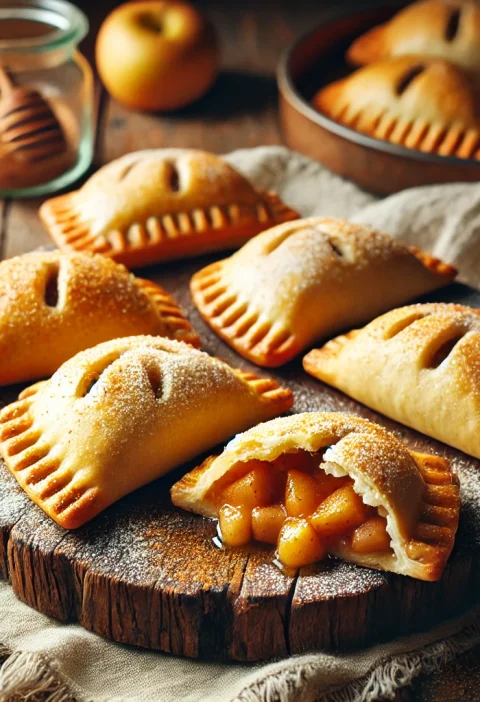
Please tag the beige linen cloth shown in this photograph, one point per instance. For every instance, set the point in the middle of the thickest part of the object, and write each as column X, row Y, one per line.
column 58, row 662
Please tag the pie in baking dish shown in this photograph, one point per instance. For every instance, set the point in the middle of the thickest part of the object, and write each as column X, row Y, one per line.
column 54, row 305
column 308, row 279
column 162, row 204
column 448, row 29
column 419, row 365
column 328, row 483
column 421, row 103
column 121, row 414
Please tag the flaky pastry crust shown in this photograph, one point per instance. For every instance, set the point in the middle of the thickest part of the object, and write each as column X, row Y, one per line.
column 162, row 204
column 447, row 29
column 121, row 414
column 53, row 305
column 414, row 101
column 418, row 365
column 304, row 280
column 418, row 493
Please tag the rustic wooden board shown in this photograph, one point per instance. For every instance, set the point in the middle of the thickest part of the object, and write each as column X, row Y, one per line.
column 147, row 574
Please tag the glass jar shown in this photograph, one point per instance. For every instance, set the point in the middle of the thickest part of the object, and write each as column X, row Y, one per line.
column 46, row 97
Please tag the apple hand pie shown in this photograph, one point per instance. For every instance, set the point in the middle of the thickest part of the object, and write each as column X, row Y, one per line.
column 121, row 414
column 162, row 204
column 328, row 483
column 305, row 280
column 417, row 102
column 54, row 305
column 418, row 365
column 447, row 29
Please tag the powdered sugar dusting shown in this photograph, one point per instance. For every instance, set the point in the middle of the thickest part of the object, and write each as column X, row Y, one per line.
column 98, row 299
column 273, row 278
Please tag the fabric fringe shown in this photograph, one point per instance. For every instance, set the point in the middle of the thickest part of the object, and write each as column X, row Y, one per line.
column 382, row 682
column 31, row 677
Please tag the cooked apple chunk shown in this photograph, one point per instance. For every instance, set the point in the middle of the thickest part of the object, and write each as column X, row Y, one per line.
column 267, row 523
column 371, row 536
column 339, row 512
column 301, row 497
column 255, row 489
column 299, row 544
column 235, row 525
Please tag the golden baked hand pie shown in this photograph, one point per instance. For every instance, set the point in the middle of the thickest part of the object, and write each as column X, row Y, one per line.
column 305, row 280
column 54, row 305
column 328, row 483
column 162, row 204
column 419, row 365
column 447, row 29
column 121, row 414
column 417, row 102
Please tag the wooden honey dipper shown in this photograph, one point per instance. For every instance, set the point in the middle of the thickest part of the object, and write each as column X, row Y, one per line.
column 29, row 130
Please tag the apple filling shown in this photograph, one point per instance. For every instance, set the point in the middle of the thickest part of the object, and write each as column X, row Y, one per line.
column 294, row 504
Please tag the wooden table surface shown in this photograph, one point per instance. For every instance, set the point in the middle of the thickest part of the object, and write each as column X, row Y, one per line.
column 240, row 111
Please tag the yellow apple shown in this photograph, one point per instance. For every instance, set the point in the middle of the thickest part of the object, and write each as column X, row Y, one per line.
column 156, row 55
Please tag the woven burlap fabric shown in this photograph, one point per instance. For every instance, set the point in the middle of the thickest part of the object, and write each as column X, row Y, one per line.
column 62, row 662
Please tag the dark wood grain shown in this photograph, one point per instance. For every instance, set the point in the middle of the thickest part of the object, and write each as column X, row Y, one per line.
column 239, row 112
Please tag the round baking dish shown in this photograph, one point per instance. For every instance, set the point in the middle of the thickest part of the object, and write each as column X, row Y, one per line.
column 379, row 166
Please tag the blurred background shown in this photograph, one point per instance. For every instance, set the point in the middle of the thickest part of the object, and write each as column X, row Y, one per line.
column 241, row 109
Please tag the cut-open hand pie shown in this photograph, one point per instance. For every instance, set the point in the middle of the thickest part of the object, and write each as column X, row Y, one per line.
column 121, row 414
column 308, row 279
column 419, row 365
column 420, row 103
column 54, row 305
column 329, row 483
column 162, row 204
column 448, row 29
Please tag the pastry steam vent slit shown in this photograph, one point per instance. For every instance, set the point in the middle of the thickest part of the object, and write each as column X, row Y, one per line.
column 87, row 386
column 402, row 324
column 436, row 356
column 408, row 78
column 52, row 294
column 173, row 177
column 128, row 169
column 335, row 248
column 453, row 24
column 155, row 379
column 275, row 243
